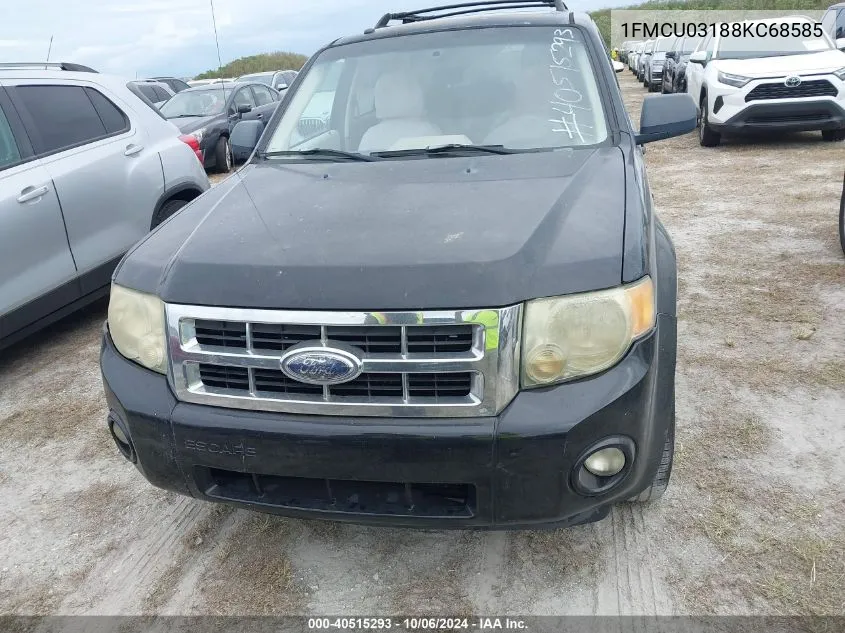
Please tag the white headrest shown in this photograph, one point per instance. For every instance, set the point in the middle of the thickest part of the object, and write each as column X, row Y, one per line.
column 398, row 96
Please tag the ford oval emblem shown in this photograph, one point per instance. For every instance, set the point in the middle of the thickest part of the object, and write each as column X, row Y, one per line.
column 793, row 81
column 321, row 365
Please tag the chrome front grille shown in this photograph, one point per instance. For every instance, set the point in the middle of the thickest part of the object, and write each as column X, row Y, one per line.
column 414, row 364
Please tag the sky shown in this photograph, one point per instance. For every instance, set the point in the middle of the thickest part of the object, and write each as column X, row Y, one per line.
column 143, row 38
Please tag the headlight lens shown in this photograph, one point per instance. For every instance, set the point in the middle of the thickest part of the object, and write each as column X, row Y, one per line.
column 574, row 336
column 737, row 81
column 136, row 325
column 840, row 73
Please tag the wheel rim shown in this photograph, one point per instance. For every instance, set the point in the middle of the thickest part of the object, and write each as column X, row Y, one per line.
column 701, row 119
column 228, row 156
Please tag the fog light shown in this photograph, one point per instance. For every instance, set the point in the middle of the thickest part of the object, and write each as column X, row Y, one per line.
column 606, row 462
column 119, row 434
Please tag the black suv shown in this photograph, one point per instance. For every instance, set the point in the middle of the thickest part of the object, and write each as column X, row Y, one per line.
column 450, row 304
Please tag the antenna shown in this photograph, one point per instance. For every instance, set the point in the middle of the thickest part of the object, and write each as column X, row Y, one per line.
column 217, row 43
column 49, row 50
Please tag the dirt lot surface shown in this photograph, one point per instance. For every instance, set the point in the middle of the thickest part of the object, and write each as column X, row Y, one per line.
column 752, row 522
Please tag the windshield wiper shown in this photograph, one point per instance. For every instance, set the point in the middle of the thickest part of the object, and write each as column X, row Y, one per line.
column 452, row 149
column 321, row 153
column 186, row 116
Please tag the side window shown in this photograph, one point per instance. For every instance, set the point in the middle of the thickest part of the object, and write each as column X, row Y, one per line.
column 263, row 96
column 148, row 91
column 111, row 116
column 9, row 153
column 161, row 93
column 709, row 45
column 243, row 97
column 59, row 117
column 840, row 25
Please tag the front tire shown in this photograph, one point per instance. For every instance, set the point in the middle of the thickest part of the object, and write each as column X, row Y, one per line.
column 706, row 135
column 664, row 471
column 223, row 155
column 167, row 209
column 833, row 135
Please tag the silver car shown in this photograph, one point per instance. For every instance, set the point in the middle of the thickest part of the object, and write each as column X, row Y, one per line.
column 86, row 170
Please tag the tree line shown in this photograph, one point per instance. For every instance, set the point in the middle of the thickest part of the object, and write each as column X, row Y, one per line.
column 257, row 63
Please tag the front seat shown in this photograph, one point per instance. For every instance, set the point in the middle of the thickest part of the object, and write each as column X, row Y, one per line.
column 399, row 105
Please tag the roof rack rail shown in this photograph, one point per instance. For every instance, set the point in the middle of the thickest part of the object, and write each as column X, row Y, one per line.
column 463, row 8
column 68, row 66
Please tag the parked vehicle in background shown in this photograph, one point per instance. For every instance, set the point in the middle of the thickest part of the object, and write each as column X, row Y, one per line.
column 156, row 92
column 833, row 22
column 674, row 70
column 208, row 113
column 193, row 83
column 654, row 70
column 175, row 84
column 86, row 170
column 643, row 60
column 749, row 84
column 278, row 79
column 634, row 56
column 395, row 380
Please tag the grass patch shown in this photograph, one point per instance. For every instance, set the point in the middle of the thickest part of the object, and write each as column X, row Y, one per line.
column 251, row 573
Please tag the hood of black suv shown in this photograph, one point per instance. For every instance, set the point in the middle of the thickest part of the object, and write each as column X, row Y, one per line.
column 394, row 235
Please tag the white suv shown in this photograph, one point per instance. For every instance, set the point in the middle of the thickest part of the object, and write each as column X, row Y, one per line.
column 768, row 82
column 87, row 168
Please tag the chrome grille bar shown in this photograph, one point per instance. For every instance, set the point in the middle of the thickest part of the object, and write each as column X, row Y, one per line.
column 491, row 360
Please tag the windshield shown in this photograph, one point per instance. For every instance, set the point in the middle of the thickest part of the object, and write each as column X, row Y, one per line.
column 690, row 44
column 649, row 47
column 664, row 44
column 750, row 47
column 195, row 103
column 526, row 88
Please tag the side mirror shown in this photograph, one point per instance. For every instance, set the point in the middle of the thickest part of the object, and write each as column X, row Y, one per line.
column 281, row 86
column 671, row 55
column 244, row 138
column 840, row 43
column 618, row 66
column 244, row 109
column 665, row 116
column 698, row 57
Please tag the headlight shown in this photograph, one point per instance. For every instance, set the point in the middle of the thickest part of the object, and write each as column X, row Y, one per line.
column 574, row 336
column 136, row 325
column 737, row 81
column 840, row 73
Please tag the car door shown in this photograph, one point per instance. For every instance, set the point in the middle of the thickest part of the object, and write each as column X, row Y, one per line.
column 244, row 96
column 37, row 272
column 106, row 178
column 265, row 102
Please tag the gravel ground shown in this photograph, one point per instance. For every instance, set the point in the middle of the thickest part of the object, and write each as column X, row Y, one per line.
column 751, row 524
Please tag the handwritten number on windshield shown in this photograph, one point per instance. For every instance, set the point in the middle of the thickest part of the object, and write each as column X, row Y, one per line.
column 566, row 99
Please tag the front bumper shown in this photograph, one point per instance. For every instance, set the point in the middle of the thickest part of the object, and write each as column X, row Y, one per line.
column 730, row 112
column 790, row 116
column 510, row 471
